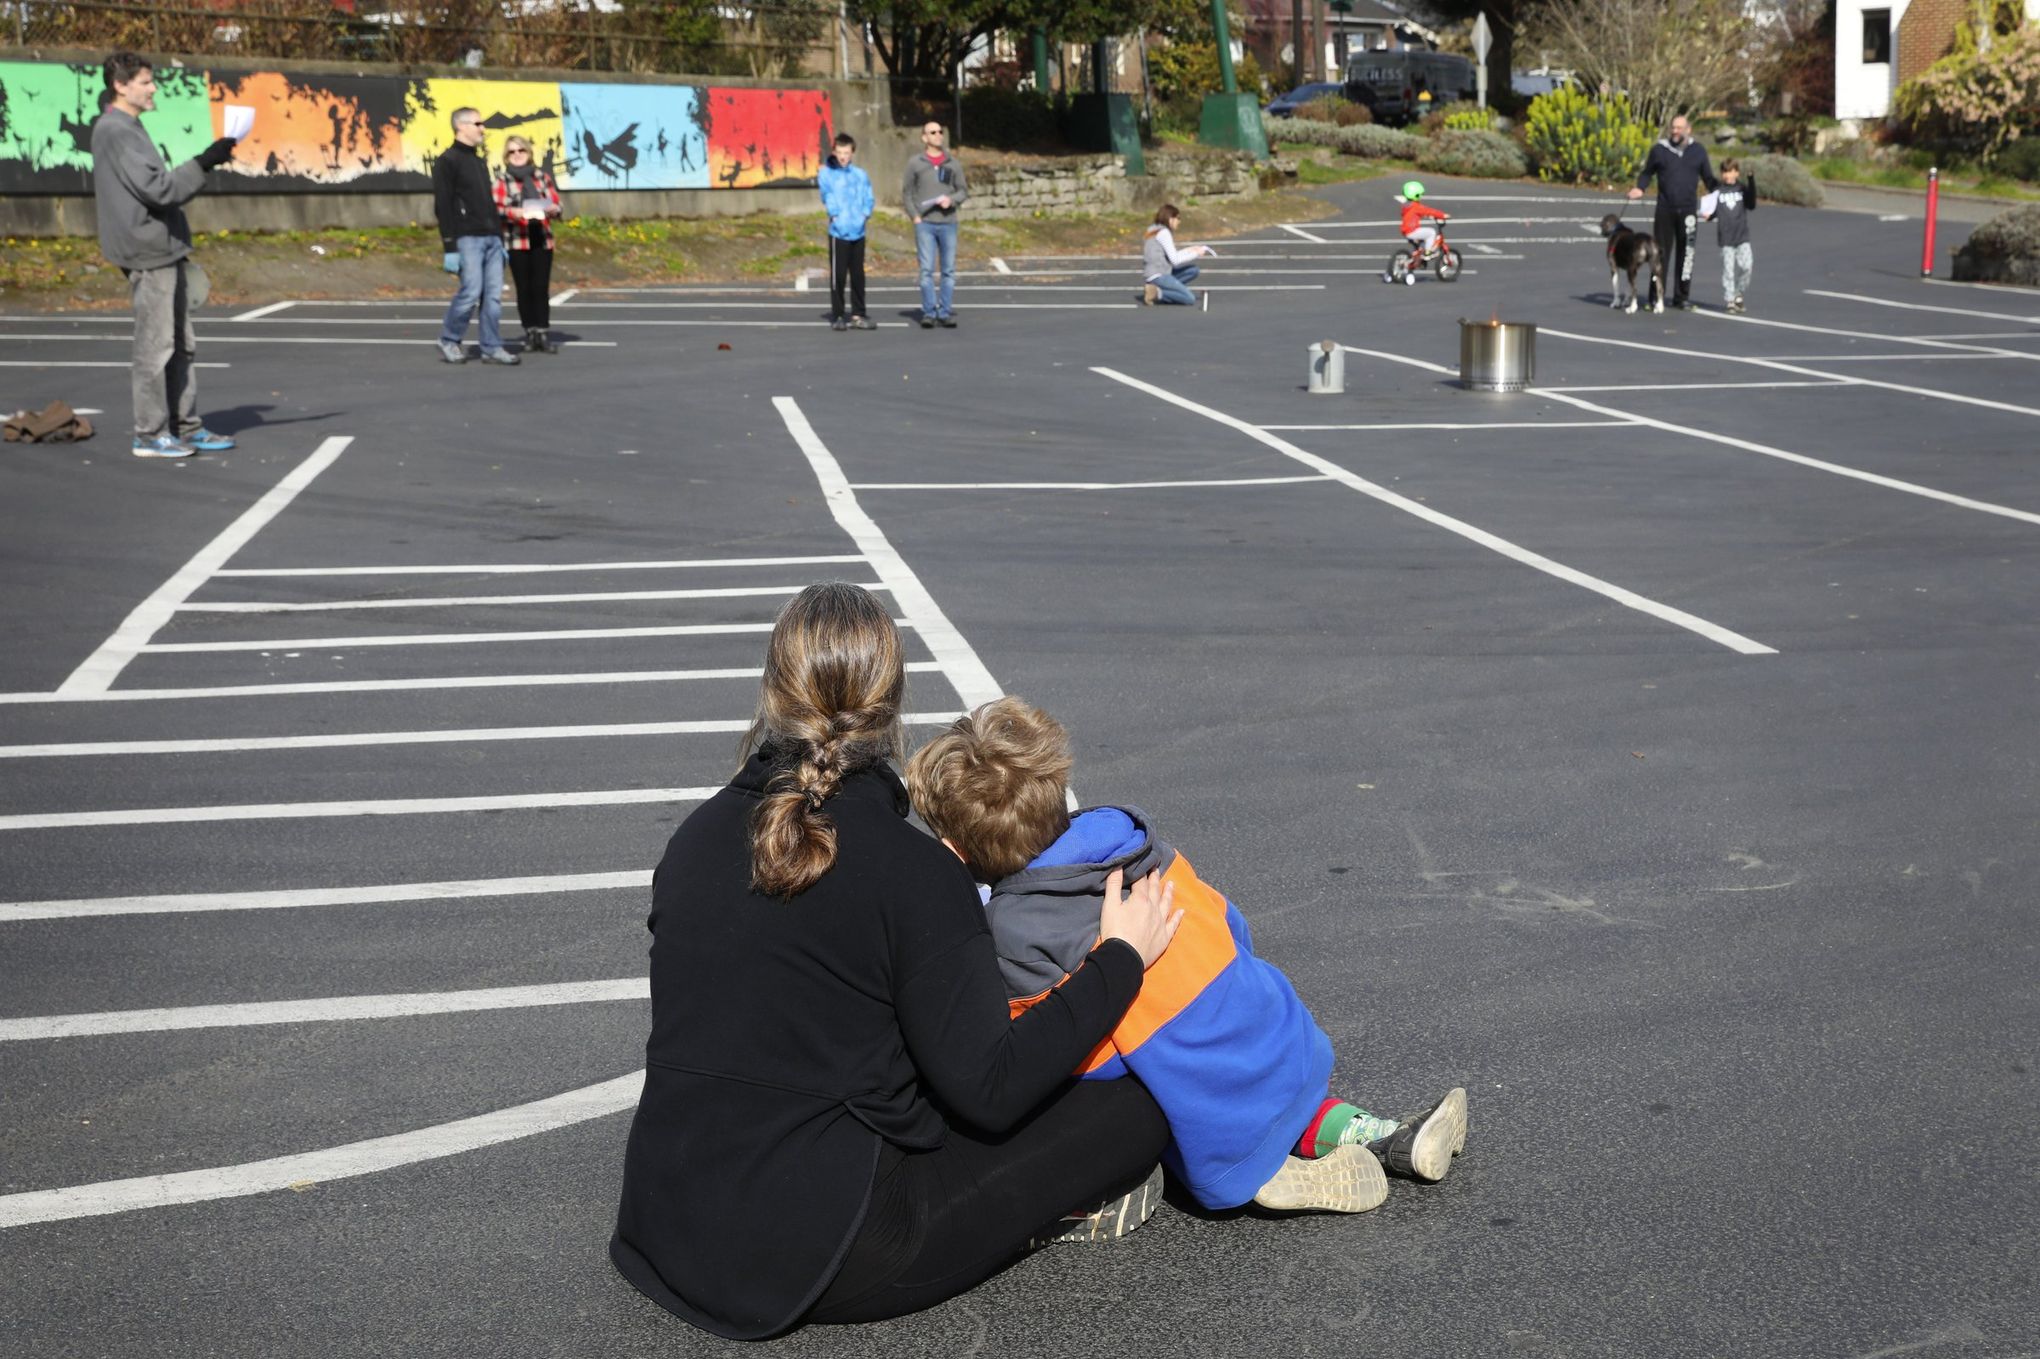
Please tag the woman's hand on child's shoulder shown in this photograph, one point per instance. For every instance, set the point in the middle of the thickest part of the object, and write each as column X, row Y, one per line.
column 1146, row 917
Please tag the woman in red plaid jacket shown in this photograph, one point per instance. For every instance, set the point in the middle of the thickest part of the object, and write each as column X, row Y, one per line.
column 528, row 200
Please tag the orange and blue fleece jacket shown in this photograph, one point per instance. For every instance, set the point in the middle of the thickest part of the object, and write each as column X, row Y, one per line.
column 1217, row 1035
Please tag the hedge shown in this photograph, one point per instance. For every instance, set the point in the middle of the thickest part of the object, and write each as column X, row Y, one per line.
column 1781, row 179
column 1474, row 155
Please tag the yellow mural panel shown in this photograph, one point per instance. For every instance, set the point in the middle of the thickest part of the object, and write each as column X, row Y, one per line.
column 527, row 108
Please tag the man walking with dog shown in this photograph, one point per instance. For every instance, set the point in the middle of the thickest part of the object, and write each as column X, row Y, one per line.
column 1679, row 164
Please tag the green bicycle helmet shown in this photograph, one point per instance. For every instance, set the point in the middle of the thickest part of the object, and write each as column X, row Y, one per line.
column 1412, row 189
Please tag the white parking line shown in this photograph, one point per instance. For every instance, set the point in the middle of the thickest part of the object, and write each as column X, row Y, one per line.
column 470, row 601
column 558, row 298
column 460, row 638
column 1693, row 386
column 212, row 338
column 959, row 662
column 1074, row 485
column 1889, row 483
column 2006, row 290
column 325, row 1010
column 366, row 1157
column 259, row 312
column 539, row 568
column 534, row 681
column 186, row 903
column 1490, row 424
column 1628, row 598
column 396, row 806
column 1989, row 351
column 86, row 363
column 1786, row 366
column 336, row 740
column 98, row 671
column 1920, row 306
column 1000, row 265
column 1299, row 232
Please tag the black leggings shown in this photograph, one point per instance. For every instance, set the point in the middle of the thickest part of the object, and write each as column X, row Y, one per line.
column 943, row 1221
column 531, row 271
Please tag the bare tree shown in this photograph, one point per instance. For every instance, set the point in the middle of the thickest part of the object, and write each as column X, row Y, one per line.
column 1669, row 56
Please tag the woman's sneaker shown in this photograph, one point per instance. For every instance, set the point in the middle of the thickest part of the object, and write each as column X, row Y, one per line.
column 1423, row 1147
column 1110, row 1220
column 1344, row 1180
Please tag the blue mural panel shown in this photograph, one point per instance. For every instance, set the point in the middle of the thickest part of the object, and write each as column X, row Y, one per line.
column 634, row 137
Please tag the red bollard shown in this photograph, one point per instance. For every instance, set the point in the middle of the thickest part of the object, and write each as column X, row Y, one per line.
column 1933, row 209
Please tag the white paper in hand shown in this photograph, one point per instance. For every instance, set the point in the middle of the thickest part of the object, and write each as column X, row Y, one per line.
column 237, row 121
column 1709, row 204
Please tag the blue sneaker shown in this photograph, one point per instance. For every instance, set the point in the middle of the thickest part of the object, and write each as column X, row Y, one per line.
column 205, row 441
column 162, row 446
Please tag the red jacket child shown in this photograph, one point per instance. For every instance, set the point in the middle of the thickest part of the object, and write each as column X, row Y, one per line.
column 1413, row 213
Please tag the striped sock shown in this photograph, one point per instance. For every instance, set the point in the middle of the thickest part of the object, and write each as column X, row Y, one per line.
column 1339, row 1124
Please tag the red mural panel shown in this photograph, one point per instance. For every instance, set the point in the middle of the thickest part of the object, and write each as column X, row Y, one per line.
column 766, row 138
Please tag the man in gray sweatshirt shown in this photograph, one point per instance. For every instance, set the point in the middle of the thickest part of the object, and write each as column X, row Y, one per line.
column 932, row 192
column 140, row 205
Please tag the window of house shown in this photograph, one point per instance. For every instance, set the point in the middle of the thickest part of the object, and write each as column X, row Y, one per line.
column 1876, row 37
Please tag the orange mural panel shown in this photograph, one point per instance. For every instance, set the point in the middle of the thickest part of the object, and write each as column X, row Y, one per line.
column 766, row 138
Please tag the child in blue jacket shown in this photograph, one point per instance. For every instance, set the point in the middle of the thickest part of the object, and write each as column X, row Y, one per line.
column 1217, row 1035
column 847, row 197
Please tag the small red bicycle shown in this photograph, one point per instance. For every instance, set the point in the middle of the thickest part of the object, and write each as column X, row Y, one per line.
column 1404, row 265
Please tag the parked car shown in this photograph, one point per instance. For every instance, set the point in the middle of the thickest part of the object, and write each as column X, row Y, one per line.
column 1541, row 80
column 1285, row 106
column 1390, row 82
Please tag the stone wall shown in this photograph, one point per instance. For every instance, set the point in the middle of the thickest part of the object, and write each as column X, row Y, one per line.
column 1099, row 183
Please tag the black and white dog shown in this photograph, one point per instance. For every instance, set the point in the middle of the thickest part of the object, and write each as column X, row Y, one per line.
column 1630, row 251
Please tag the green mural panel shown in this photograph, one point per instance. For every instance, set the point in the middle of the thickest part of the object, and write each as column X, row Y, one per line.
column 46, row 113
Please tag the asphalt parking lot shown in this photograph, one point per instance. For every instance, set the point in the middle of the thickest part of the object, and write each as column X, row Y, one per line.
column 1652, row 753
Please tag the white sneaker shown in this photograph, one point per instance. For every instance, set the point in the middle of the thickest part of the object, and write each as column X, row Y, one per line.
column 1344, row 1180
column 163, row 446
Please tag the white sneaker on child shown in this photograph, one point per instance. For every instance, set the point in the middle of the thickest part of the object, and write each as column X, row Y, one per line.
column 1346, row 1179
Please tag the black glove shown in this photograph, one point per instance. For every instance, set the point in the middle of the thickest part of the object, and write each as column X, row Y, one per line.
column 216, row 155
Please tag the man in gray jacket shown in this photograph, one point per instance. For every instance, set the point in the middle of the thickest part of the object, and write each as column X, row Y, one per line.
column 140, row 204
column 933, row 190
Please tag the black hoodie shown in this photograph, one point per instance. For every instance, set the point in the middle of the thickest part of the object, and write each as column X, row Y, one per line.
column 1680, row 170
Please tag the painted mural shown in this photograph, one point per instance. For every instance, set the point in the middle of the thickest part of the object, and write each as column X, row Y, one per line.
column 46, row 113
column 766, row 138
column 324, row 134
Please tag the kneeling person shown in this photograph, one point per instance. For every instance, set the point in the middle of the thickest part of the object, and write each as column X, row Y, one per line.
column 1217, row 1035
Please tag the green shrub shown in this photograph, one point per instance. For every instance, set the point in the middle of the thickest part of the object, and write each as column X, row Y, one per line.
column 1191, row 68
column 1378, row 143
column 1468, row 118
column 1973, row 101
column 1474, row 154
column 2021, row 160
column 1577, row 140
column 1350, row 114
column 1781, row 179
column 1325, row 110
column 1008, row 119
column 2006, row 249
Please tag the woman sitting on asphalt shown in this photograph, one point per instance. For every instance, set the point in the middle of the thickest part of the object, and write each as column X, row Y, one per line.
column 820, row 969
column 1170, row 267
column 528, row 200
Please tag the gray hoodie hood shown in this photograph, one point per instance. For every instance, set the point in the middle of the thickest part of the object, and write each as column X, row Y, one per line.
column 1044, row 918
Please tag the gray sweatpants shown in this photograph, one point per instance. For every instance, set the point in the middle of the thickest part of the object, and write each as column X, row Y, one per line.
column 1737, row 263
column 165, row 346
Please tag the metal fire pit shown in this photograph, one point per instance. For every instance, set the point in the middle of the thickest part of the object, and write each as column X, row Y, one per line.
column 1497, row 356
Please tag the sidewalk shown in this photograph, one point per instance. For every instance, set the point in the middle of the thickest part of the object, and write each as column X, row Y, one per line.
column 1961, row 208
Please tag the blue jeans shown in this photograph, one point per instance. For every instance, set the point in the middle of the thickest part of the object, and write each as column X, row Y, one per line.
column 933, row 239
column 1171, row 286
column 481, row 281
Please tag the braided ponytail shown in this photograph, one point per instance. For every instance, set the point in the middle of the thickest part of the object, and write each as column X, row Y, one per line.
column 829, row 706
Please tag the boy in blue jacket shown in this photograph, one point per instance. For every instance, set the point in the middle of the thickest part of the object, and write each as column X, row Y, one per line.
column 1217, row 1035
column 847, row 197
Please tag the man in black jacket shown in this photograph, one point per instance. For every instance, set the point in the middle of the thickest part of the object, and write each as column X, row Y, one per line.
column 471, row 232
column 1680, row 165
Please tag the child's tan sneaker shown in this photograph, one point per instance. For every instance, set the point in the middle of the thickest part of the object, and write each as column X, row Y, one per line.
column 1344, row 1180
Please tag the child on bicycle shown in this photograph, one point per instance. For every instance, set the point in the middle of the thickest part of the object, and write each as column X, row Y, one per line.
column 1414, row 229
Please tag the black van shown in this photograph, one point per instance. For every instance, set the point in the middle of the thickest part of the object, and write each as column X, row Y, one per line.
column 1389, row 82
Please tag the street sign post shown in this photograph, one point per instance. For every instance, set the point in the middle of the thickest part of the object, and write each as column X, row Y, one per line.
column 1483, row 39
